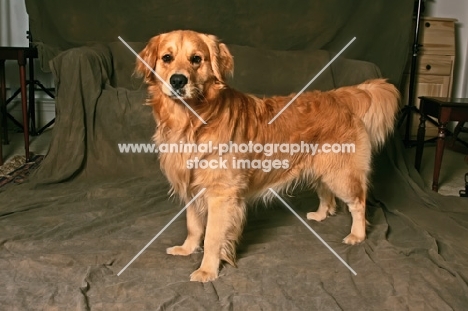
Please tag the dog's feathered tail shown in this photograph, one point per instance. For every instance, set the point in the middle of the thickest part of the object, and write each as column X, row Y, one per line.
column 378, row 110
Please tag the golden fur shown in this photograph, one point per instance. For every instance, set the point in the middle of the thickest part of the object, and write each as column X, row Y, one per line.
column 362, row 114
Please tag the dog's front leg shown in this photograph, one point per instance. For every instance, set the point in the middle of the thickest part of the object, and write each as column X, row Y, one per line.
column 196, row 220
column 225, row 221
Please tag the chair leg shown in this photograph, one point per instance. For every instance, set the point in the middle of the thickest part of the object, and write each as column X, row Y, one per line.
column 32, row 100
column 24, row 108
column 438, row 156
column 420, row 140
column 3, row 115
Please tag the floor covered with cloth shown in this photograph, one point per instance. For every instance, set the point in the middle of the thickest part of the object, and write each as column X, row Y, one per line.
column 62, row 246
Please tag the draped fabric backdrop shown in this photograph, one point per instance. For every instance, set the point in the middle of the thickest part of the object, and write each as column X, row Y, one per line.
column 382, row 28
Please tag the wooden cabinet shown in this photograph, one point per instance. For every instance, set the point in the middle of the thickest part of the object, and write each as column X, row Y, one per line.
column 434, row 71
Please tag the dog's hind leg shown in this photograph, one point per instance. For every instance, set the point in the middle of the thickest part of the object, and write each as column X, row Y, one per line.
column 357, row 207
column 226, row 217
column 351, row 187
column 196, row 220
column 327, row 204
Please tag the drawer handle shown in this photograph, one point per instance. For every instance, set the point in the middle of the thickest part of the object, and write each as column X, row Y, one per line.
column 428, row 67
column 427, row 24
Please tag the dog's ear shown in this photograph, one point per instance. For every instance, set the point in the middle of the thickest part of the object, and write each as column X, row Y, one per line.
column 150, row 55
column 221, row 59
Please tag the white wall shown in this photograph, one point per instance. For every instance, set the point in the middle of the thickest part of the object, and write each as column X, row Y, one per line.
column 455, row 9
column 13, row 23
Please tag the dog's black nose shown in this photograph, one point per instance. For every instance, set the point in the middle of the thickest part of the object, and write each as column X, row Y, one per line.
column 178, row 81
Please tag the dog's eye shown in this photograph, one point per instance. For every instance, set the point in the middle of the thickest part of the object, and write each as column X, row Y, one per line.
column 167, row 58
column 195, row 59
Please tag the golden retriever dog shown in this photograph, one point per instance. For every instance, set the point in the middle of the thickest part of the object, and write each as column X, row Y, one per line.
column 194, row 67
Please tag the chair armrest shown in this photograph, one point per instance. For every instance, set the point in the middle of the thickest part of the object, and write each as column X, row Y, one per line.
column 81, row 75
column 89, row 65
column 348, row 72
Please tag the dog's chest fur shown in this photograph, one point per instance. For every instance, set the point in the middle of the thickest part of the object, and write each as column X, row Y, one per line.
column 174, row 164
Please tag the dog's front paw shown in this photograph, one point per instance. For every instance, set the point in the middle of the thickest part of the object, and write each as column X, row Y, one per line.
column 316, row 216
column 203, row 276
column 352, row 239
column 179, row 251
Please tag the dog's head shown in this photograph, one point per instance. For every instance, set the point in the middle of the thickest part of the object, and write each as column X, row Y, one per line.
column 186, row 61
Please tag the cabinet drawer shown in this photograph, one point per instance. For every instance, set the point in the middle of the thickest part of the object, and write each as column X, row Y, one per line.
column 435, row 65
column 433, row 85
column 427, row 85
column 437, row 36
